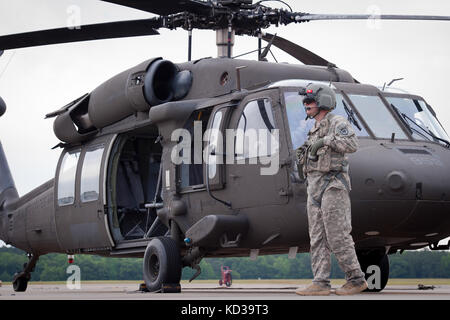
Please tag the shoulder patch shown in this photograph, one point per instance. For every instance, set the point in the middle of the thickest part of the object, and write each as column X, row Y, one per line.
column 342, row 129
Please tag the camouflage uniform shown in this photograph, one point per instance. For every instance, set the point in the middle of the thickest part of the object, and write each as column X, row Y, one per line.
column 328, row 205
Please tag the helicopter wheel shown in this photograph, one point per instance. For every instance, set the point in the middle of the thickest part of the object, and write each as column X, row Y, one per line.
column 20, row 284
column 380, row 260
column 162, row 264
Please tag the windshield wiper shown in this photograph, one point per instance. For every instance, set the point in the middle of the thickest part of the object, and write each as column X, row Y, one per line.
column 402, row 117
column 405, row 119
column 447, row 143
column 351, row 115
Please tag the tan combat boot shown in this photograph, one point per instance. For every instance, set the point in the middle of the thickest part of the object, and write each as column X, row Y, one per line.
column 314, row 290
column 350, row 288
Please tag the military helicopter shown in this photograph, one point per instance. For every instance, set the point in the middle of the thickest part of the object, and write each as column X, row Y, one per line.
column 118, row 192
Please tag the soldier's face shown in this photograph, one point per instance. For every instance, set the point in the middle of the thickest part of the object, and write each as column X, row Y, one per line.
column 310, row 108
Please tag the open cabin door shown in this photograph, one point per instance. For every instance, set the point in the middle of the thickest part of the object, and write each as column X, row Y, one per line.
column 133, row 187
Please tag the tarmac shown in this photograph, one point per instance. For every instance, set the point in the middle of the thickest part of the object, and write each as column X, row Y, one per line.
column 211, row 291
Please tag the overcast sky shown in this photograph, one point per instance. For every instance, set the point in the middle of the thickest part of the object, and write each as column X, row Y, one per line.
column 36, row 81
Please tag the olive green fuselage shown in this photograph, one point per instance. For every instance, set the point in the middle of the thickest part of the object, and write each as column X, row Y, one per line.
column 400, row 197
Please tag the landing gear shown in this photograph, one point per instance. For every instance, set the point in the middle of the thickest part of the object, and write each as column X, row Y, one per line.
column 20, row 284
column 162, row 265
column 375, row 265
column 20, row 281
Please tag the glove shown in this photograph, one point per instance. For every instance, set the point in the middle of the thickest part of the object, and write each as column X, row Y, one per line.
column 314, row 148
column 300, row 153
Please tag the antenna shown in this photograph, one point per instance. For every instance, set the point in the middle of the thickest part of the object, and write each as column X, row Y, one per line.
column 238, row 77
column 390, row 83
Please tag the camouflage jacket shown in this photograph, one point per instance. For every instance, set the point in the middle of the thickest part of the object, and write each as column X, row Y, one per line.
column 339, row 139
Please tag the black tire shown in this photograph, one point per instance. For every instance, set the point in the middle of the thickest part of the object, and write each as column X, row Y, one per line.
column 20, row 284
column 380, row 260
column 162, row 263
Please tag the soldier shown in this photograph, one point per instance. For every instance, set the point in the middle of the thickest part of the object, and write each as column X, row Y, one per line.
column 324, row 163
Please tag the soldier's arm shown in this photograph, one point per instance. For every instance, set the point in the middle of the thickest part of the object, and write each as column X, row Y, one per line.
column 343, row 139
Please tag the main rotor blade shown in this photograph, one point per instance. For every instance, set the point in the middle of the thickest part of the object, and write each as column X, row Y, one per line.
column 298, row 52
column 309, row 17
column 164, row 7
column 119, row 29
column 301, row 54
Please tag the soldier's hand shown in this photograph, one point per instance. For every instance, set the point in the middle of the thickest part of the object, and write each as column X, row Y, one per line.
column 299, row 152
column 314, row 148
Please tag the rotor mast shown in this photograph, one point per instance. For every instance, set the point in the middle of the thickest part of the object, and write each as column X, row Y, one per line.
column 225, row 42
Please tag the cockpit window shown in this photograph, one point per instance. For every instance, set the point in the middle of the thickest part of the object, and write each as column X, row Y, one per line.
column 377, row 116
column 299, row 126
column 343, row 109
column 421, row 122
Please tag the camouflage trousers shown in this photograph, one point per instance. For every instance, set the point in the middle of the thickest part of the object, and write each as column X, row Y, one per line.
column 329, row 221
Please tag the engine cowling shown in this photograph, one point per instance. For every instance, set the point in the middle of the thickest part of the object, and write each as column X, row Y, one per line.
column 137, row 89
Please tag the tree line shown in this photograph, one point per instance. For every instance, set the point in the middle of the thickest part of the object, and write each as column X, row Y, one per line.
column 52, row 267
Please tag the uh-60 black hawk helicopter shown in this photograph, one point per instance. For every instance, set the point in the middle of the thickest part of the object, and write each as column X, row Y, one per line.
column 119, row 192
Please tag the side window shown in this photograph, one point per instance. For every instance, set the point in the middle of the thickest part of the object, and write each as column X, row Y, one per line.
column 254, row 136
column 215, row 145
column 90, row 174
column 191, row 173
column 66, row 180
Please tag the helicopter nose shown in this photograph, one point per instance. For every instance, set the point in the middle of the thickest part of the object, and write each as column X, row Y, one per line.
column 406, row 191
